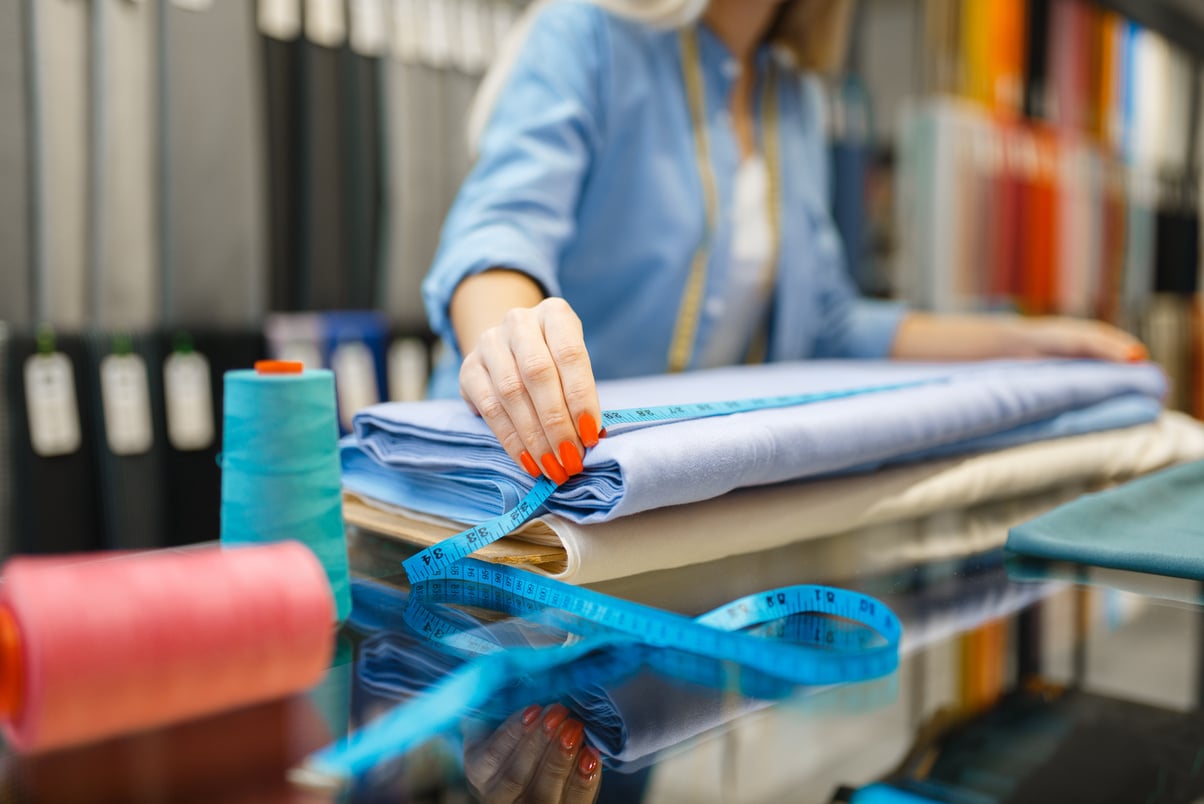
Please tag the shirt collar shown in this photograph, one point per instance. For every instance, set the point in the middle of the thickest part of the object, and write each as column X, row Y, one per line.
column 717, row 59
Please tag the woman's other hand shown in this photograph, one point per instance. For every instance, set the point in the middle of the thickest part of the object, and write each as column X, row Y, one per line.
column 924, row 336
column 529, row 375
column 535, row 756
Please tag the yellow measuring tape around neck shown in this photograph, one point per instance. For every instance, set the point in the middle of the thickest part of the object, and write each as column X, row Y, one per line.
column 685, row 331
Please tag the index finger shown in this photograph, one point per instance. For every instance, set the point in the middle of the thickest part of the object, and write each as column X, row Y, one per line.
column 566, row 343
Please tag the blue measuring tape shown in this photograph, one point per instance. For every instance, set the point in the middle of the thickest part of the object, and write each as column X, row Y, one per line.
column 747, row 633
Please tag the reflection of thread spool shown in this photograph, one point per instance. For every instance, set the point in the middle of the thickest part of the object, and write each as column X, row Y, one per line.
column 280, row 465
column 95, row 648
column 238, row 756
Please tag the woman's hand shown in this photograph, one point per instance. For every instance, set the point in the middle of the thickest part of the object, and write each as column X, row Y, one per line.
column 924, row 336
column 529, row 376
column 535, row 759
column 1074, row 337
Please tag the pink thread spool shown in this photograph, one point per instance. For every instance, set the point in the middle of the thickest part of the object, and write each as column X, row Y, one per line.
column 95, row 648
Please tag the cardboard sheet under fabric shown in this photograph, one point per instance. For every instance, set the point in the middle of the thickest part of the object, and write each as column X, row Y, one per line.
column 55, row 499
column 1049, row 472
column 215, row 205
column 438, row 457
column 16, row 303
column 1154, row 525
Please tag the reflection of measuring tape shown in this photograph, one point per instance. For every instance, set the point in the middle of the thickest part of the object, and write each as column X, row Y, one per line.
column 432, row 561
column 766, row 662
column 718, row 634
column 586, row 684
column 809, row 629
column 755, row 665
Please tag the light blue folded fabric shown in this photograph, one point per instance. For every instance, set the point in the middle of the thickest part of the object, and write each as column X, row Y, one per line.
column 437, row 457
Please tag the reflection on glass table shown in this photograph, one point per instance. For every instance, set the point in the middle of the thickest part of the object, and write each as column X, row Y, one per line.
column 1011, row 676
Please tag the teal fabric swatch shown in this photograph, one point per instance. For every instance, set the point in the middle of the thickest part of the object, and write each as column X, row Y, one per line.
column 1155, row 524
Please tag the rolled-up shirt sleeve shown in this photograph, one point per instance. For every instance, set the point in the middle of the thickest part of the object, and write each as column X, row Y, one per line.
column 517, row 209
column 850, row 326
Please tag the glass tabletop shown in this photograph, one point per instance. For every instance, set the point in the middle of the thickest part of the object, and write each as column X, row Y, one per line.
column 1017, row 681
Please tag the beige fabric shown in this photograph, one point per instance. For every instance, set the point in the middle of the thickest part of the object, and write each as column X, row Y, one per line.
column 759, row 519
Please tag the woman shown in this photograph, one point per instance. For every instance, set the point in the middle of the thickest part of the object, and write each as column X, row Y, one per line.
column 650, row 196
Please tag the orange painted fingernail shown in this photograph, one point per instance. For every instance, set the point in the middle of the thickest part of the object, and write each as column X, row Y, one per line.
column 587, row 428
column 529, row 464
column 602, row 433
column 555, row 716
column 531, row 713
column 588, row 764
column 555, row 470
column 570, row 738
column 1137, row 353
column 570, row 458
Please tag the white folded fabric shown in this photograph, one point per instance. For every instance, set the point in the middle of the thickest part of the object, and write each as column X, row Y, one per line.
column 758, row 519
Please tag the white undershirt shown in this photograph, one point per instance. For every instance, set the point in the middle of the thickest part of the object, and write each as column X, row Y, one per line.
column 735, row 313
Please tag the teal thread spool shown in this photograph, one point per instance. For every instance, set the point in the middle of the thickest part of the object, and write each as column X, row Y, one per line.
column 280, row 466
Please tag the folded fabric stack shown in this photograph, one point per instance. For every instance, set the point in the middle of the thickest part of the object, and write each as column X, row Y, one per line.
column 684, row 492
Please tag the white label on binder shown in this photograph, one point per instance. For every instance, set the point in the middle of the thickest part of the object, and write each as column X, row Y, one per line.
column 369, row 30
column 189, row 398
column 355, row 379
column 53, row 411
column 303, row 352
column 325, row 24
column 409, row 368
column 280, row 19
column 125, row 399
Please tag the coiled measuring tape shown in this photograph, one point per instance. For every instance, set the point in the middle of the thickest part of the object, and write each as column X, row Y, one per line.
column 431, row 562
column 745, row 632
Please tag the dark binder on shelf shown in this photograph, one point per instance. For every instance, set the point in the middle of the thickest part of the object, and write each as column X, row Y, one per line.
column 193, row 424
column 56, row 503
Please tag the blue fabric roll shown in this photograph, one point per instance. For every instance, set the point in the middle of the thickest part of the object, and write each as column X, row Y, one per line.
column 437, row 457
column 1155, row 525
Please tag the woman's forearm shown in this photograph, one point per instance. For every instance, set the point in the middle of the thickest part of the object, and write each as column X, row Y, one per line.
column 923, row 336
column 481, row 301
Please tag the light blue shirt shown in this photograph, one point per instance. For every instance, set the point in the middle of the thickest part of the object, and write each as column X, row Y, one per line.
column 587, row 180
